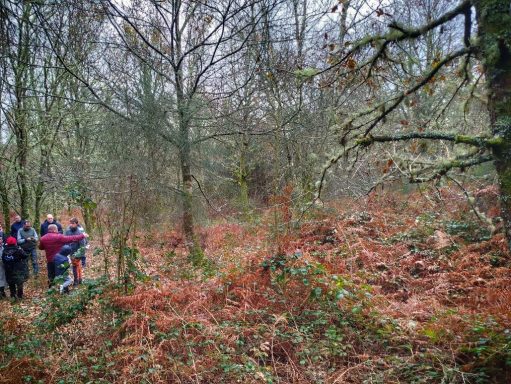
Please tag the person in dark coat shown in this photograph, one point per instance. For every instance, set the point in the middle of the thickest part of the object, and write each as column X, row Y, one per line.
column 49, row 220
column 16, row 226
column 16, row 267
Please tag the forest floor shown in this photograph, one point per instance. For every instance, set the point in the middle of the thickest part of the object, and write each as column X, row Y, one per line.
column 387, row 289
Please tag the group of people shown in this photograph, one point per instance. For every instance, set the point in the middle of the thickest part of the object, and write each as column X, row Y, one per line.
column 62, row 249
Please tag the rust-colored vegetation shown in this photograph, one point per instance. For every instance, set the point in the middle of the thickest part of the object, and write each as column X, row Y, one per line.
column 388, row 289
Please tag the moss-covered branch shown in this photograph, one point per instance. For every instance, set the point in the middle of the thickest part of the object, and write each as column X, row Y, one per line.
column 477, row 141
column 442, row 168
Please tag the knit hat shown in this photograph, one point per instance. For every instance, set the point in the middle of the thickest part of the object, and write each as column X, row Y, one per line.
column 11, row 241
column 66, row 250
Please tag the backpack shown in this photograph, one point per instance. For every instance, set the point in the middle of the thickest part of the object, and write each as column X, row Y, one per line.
column 9, row 256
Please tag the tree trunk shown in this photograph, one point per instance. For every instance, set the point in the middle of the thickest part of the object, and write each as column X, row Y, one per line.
column 195, row 251
column 494, row 22
column 88, row 219
column 183, row 101
column 39, row 187
column 38, row 196
column 187, row 195
column 4, row 197
column 242, row 174
column 20, row 114
column 22, row 154
column 343, row 28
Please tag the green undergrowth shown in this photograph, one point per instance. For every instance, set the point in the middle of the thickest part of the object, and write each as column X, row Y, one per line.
column 62, row 309
column 30, row 343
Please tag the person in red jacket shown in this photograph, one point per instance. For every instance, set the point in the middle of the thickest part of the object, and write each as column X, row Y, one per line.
column 51, row 244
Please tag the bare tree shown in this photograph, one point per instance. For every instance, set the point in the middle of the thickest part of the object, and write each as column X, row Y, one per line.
column 187, row 43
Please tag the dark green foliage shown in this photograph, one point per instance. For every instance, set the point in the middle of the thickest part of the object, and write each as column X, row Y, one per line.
column 61, row 309
column 488, row 351
column 471, row 231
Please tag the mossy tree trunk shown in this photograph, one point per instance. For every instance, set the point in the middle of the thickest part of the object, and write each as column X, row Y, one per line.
column 18, row 117
column 494, row 31
column 21, row 133
column 185, row 159
column 183, row 101
column 187, row 192
column 4, row 197
column 242, row 175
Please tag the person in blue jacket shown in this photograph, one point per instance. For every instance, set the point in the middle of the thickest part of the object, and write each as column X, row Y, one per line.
column 16, row 226
column 62, row 263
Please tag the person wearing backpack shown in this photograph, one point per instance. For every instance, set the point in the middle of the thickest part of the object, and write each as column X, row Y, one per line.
column 16, row 267
column 27, row 240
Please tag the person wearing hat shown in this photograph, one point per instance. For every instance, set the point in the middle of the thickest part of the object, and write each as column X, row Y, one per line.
column 16, row 267
column 62, row 262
